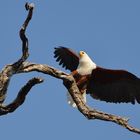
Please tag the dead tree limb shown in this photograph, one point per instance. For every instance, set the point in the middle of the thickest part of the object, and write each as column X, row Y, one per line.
column 9, row 70
column 71, row 86
column 21, row 66
column 20, row 97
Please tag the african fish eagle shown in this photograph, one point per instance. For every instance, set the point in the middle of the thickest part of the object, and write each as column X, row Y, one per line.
column 116, row 86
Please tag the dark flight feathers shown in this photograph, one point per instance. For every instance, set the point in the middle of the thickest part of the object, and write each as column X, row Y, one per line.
column 67, row 58
column 114, row 86
column 104, row 84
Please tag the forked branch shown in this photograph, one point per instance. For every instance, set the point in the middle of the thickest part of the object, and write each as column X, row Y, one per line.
column 9, row 70
column 21, row 66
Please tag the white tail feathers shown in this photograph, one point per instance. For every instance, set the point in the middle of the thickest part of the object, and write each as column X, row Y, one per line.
column 71, row 102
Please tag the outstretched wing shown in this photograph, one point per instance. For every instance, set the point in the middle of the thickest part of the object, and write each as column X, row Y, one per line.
column 114, row 86
column 67, row 58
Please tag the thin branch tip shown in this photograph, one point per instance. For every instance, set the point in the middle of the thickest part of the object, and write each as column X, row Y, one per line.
column 38, row 79
column 29, row 6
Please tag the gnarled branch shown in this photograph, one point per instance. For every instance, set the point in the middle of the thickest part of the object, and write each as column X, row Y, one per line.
column 21, row 66
column 9, row 70
column 71, row 86
column 20, row 97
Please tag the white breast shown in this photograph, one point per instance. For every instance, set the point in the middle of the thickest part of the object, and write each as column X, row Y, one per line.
column 86, row 65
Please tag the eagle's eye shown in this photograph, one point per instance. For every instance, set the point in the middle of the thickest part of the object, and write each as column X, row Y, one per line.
column 81, row 53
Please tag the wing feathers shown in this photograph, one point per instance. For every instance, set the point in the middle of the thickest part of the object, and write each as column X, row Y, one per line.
column 114, row 86
column 67, row 58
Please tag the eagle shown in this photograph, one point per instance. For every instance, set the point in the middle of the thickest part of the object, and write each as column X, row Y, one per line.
column 115, row 86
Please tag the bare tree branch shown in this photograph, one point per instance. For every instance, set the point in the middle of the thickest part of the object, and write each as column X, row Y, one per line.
column 20, row 97
column 24, row 67
column 23, row 37
column 9, row 70
column 71, row 86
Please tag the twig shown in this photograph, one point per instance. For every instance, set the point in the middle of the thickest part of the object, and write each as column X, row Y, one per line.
column 23, row 37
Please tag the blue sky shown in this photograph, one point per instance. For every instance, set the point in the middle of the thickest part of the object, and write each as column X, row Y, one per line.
column 108, row 30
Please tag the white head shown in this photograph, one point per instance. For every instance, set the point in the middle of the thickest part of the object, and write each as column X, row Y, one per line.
column 86, row 65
